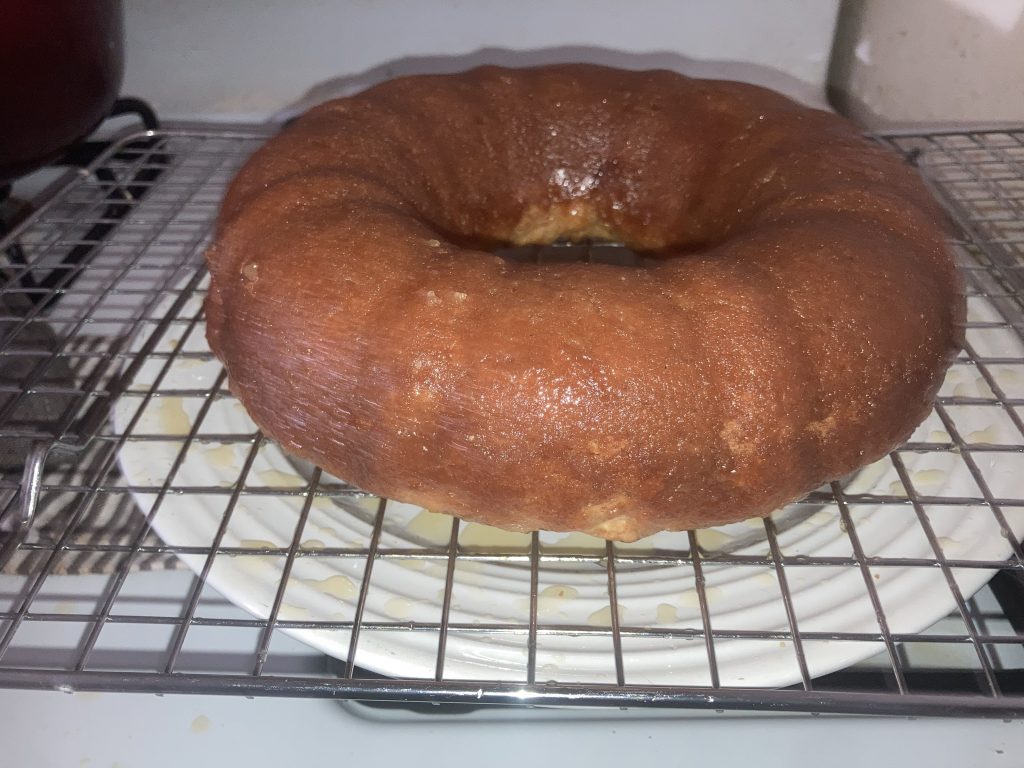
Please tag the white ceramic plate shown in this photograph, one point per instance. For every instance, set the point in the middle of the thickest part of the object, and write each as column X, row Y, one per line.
column 655, row 598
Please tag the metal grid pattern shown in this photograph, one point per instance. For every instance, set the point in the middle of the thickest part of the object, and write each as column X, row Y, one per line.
column 78, row 339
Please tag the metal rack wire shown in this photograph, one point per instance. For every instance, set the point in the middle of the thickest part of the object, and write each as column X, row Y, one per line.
column 113, row 332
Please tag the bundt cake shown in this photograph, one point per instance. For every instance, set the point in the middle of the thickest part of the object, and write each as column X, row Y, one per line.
column 791, row 320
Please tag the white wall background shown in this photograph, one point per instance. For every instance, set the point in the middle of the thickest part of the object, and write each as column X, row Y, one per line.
column 249, row 60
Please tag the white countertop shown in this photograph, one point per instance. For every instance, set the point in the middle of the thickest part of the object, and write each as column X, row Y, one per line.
column 44, row 729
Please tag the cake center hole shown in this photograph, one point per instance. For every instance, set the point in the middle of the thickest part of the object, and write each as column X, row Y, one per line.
column 567, row 253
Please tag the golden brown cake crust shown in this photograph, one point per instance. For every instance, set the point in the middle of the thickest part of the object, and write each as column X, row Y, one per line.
column 800, row 331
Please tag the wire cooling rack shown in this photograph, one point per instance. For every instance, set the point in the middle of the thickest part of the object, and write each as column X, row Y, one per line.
column 102, row 293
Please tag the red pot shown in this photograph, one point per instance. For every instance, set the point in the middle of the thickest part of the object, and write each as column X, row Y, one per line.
column 61, row 63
